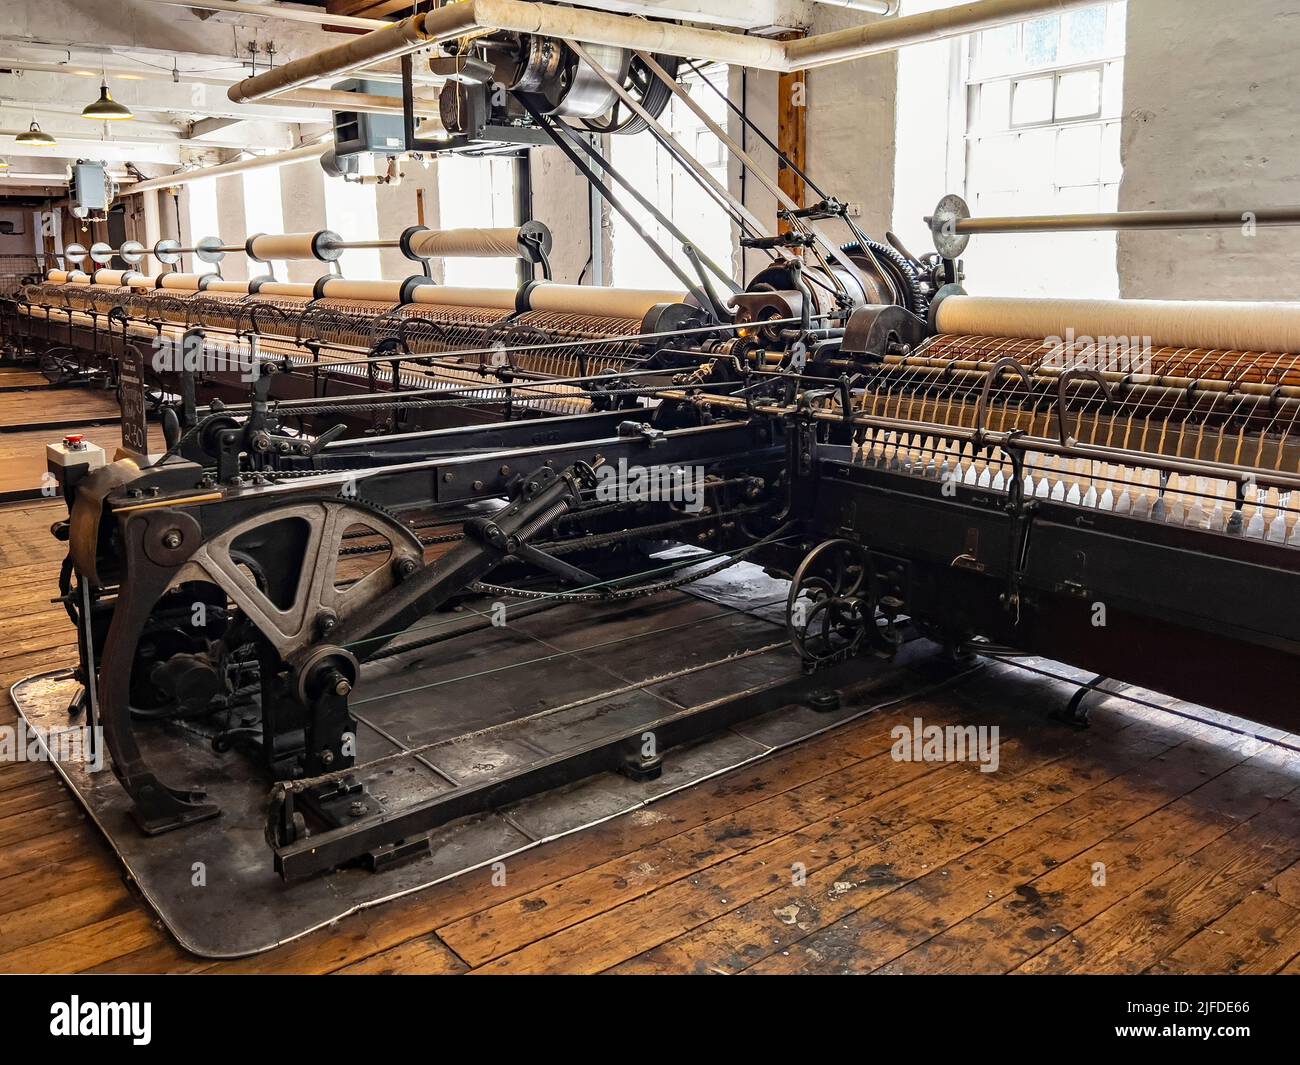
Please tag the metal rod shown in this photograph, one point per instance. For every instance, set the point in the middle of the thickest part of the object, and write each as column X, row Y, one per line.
column 1183, row 219
column 294, row 155
column 829, row 246
column 666, row 138
column 472, row 17
column 580, row 142
column 279, row 11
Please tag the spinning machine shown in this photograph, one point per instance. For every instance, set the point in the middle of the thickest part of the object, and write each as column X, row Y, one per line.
column 1111, row 484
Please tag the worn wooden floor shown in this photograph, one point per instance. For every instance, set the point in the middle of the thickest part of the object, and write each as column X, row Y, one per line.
column 1137, row 846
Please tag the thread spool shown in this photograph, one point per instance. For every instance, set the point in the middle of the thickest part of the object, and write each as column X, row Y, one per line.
column 220, row 284
column 142, row 281
column 112, row 277
column 57, row 277
column 590, row 299
column 1219, row 325
column 285, row 288
column 340, row 288
column 513, row 242
column 501, row 299
column 263, row 247
column 451, row 243
column 184, row 282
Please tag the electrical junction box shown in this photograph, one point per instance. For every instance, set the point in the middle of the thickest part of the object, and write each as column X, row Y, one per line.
column 356, row 132
column 89, row 189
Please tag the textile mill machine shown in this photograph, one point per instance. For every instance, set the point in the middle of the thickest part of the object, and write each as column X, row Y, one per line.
column 1110, row 484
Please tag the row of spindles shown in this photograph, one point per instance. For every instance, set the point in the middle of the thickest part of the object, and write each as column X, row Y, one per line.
column 1219, row 505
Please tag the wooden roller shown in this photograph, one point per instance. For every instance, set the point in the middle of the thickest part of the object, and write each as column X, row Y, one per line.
column 553, row 299
column 590, row 299
column 220, row 284
column 189, row 282
column 142, row 281
column 1222, row 325
column 467, row 243
column 296, row 246
column 339, row 288
column 112, row 277
column 501, row 299
column 57, row 277
column 285, row 288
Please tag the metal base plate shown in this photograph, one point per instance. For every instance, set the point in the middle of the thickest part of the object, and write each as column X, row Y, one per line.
column 213, row 884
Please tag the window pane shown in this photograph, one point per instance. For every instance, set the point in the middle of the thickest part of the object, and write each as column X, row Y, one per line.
column 263, row 213
column 1081, row 199
column 998, row 51
column 1035, row 158
column 1083, row 35
column 202, row 196
column 1031, row 101
column 1078, row 155
column 350, row 212
column 994, row 100
column 1041, row 38
column 482, row 189
column 1111, row 167
column 1078, row 94
column 677, row 196
column 1116, row 28
column 1112, row 90
column 993, row 164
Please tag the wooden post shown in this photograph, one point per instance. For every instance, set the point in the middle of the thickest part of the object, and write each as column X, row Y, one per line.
column 792, row 130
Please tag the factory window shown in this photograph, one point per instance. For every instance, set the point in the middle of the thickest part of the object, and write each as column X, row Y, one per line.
column 350, row 211
column 1042, row 136
column 263, row 213
column 673, row 191
column 481, row 191
column 201, row 202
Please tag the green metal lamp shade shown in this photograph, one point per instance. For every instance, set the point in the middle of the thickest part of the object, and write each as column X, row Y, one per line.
column 106, row 109
column 36, row 135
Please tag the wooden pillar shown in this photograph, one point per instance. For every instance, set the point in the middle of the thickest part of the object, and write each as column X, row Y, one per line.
column 792, row 131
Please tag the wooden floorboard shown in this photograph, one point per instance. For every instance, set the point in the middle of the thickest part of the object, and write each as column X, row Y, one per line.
column 22, row 455
column 1141, row 845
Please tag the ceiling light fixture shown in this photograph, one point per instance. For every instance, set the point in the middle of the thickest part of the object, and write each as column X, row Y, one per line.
column 106, row 109
column 36, row 136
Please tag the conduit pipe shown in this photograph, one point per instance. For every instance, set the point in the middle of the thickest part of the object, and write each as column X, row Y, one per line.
column 278, row 11
column 625, row 31
column 294, row 155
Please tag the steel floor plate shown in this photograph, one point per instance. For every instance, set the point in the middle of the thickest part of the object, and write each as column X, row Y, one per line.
column 493, row 699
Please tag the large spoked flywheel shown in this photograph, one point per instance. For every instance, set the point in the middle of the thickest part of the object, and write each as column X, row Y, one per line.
column 831, row 609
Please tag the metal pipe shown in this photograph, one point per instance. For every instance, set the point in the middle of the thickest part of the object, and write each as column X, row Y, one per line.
column 874, row 38
column 279, row 11
column 334, row 99
column 867, row 7
column 1185, row 219
column 394, row 40
column 294, row 155
column 626, row 31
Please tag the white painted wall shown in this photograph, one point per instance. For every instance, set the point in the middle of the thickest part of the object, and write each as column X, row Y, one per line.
column 851, row 141
column 1210, row 121
column 561, row 201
